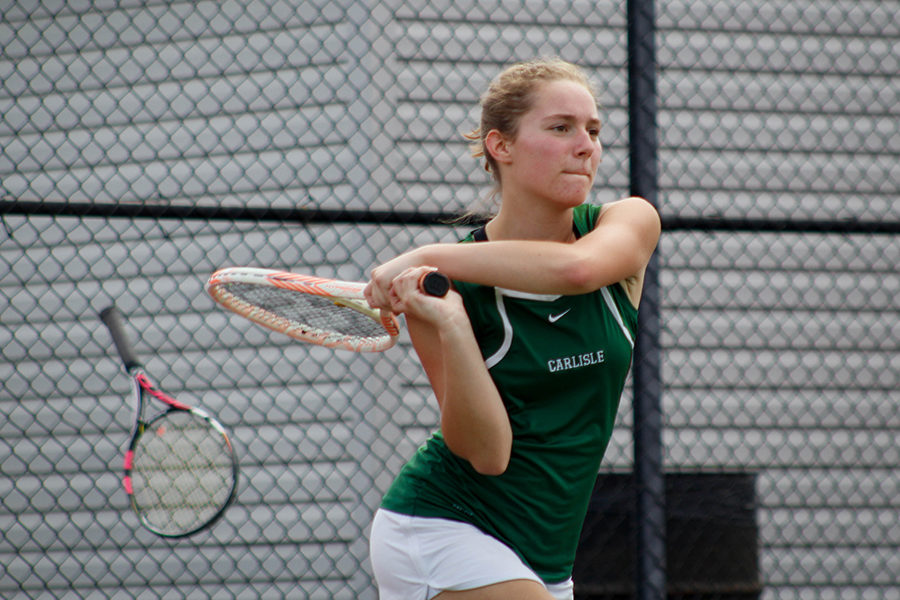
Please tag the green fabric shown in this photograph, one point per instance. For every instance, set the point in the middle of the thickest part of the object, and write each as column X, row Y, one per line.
column 561, row 379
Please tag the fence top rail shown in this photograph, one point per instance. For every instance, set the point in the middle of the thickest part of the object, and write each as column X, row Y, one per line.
column 406, row 217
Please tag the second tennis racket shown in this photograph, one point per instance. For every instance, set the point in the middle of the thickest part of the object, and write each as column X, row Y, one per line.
column 180, row 467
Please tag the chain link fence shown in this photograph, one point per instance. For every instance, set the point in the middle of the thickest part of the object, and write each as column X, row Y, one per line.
column 120, row 123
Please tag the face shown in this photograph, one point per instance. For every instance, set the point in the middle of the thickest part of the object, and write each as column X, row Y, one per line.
column 557, row 150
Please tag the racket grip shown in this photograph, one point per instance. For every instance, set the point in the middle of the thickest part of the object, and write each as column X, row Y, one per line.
column 112, row 318
column 435, row 283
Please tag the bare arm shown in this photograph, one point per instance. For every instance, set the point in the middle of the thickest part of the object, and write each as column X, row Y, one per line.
column 474, row 421
column 616, row 250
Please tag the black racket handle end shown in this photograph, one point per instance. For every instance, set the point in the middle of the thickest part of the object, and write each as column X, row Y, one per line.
column 112, row 318
column 435, row 283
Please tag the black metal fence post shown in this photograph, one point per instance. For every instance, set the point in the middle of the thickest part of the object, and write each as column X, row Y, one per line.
column 650, row 522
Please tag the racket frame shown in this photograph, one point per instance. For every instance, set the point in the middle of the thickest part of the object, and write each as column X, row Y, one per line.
column 348, row 294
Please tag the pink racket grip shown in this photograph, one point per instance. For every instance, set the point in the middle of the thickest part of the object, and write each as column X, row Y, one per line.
column 434, row 283
column 128, row 463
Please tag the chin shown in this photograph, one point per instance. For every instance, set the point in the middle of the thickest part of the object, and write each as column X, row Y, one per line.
column 570, row 201
column 572, row 198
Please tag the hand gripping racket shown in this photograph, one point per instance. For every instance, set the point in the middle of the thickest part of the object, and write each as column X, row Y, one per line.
column 327, row 312
column 180, row 467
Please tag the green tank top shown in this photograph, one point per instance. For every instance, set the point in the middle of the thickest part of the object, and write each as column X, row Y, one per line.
column 560, row 364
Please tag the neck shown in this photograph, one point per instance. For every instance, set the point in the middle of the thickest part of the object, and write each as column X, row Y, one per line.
column 552, row 224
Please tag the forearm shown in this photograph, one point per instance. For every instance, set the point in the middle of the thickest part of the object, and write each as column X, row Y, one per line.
column 619, row 247
column 474, row 421
column 537, row 267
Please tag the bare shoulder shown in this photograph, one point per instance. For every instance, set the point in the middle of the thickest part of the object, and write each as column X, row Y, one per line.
column 634, row 210
column 641, row 220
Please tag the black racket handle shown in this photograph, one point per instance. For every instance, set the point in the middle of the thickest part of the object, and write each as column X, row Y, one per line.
column 435, row 283
column 112, row 318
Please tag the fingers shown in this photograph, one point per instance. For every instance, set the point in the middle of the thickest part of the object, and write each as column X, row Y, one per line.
column 403, row 294
column 378, row 291
column 407, row 297
column 406, row 285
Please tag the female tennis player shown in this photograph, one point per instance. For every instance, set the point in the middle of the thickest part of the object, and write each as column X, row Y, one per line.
column 527, row 356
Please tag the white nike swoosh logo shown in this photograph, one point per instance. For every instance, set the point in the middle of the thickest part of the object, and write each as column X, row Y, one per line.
column 555, row 318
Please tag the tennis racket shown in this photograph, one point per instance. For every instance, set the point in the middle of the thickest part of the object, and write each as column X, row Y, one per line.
column 327, row 312
column 180, row 467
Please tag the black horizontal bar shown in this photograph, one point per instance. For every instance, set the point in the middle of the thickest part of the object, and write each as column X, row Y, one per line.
column 227, row 213
column 709, row 223
column 408, row 217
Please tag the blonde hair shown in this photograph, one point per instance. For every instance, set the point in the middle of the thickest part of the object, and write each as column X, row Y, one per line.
column 510, row 95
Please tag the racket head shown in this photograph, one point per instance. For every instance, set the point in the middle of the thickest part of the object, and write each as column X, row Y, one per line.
column 326, row 312
column 181, row 472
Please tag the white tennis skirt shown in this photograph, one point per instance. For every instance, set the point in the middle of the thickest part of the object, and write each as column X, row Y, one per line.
column 416, row 558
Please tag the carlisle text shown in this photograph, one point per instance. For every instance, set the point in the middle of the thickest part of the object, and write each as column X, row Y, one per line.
column 574, row 362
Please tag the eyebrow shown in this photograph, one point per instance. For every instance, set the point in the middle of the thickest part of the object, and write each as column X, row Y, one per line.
column 571, row 118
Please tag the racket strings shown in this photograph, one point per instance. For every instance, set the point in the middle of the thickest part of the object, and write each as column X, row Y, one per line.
column 308, row 311
column 183, row 472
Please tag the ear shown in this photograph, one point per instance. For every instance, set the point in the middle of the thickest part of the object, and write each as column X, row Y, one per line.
column 498, row 146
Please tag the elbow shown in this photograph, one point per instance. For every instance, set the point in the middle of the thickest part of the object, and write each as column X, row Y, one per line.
column 490, row 466
column 580, row 276
column 492, row 460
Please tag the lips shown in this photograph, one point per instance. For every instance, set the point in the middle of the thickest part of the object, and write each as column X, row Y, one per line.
column 579, row 171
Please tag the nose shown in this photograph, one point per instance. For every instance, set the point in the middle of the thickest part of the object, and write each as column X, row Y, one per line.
column 587, row 145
